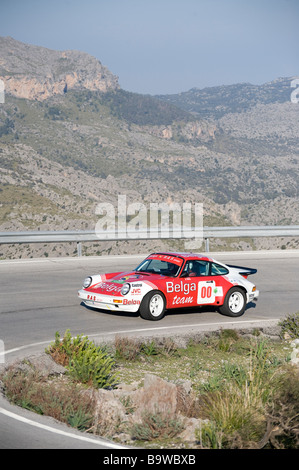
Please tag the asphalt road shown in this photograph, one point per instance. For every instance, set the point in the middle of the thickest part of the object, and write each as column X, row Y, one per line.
column 39, row 297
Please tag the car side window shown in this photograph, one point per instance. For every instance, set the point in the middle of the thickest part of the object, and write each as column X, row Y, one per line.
column 218, row 270
column 195, row 268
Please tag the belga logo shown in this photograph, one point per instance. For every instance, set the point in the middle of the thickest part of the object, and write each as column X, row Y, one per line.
column 2, row 89
column 295, row 93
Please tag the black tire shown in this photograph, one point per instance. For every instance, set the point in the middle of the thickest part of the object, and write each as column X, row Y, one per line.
column 234, row 303
column 153, row 306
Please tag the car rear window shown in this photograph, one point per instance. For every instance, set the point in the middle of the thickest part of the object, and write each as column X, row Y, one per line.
column 218, row 270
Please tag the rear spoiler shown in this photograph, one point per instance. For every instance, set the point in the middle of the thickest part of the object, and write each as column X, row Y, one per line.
column 243, row 271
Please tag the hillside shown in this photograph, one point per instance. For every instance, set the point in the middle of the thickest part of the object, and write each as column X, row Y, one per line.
column 63, row 150
column 215, row 102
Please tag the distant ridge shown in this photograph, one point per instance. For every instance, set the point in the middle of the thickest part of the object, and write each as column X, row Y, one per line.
column 219, row 100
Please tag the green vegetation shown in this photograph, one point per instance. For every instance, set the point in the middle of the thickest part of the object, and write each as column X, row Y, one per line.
column 290, row 326
column 157, row 426
column 143, row 109
column 17, row 201
column 86, row 363
column 244, row 389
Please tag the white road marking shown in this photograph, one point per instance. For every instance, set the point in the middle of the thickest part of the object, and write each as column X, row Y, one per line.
column 58, row 431
column 139, row 330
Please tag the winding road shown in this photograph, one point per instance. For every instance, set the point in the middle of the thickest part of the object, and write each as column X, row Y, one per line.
column 39, row 297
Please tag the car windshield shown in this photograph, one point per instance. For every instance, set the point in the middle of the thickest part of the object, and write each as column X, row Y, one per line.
column 160, row 266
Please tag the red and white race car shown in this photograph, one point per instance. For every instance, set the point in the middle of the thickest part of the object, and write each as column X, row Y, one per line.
column 172, row 280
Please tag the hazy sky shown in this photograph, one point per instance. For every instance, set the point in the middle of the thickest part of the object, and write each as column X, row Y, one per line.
column 167, row 46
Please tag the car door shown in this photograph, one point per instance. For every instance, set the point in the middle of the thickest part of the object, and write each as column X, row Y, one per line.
column 209, row 282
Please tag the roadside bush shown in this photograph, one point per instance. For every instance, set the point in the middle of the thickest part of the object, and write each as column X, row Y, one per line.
column 93, row 367
column 127, row 348
column 156, row 425
column 283, row 418
column 85, row 362
column 236, row 406
column 290, row 326
column 63, row 349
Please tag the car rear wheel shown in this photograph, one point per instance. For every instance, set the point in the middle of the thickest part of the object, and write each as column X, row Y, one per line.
column 234, row 303
column 153, row 306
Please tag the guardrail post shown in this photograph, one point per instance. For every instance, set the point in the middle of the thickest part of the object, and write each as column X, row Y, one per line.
column 207, row 243
column 79, row 248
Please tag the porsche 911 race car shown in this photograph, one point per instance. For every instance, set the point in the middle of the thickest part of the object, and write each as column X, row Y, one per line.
column 172, row 280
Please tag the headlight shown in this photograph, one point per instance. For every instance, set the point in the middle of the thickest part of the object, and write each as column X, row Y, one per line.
column 87, row 282
column 125, row 289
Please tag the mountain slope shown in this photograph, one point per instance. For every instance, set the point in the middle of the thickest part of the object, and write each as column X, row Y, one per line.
column 61, row 153
column 215, row 102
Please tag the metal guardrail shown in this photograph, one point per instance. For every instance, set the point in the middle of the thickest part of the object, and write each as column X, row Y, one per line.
column 92, row 236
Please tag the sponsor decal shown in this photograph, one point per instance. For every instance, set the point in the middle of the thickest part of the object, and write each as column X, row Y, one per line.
column 135, row 291
column 182, row 300
column 131, row 302
column 181, row 286
column 125, row 279
column 91, row 297
column 218, row 291
column 206, row 292
column 108, row 287
column 171, row 259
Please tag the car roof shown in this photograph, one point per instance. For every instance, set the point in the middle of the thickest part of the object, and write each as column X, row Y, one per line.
column 186, row 256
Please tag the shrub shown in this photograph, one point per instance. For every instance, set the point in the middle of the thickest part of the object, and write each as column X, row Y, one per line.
column 235, row 405
column 93, row 367
column 67, row 347
column 86, row 362
column 290, row 326
column 156, row 425
column 150, row 348
column 126, row 348
column 227, row 339
column 283, row 418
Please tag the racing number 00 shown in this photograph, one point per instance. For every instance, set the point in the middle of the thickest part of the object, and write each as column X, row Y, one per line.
column 206, row 292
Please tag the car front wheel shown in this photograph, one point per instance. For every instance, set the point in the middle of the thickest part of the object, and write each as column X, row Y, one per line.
column 234, row 303
column 153, row 306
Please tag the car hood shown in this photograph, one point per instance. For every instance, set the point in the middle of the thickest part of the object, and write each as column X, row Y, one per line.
column 114, row 284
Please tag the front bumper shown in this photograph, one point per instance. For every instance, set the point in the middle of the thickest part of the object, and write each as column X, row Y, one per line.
column 108, row 302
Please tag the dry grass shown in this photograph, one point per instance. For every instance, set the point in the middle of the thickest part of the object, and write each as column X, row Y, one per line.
column 63, row 400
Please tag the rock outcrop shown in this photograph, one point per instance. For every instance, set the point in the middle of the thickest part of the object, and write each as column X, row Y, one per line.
column 37, row 73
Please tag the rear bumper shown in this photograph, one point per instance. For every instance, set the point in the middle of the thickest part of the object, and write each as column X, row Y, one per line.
column 253, row 296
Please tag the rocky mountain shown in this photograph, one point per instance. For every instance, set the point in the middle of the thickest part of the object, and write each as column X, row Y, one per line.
column 75, row 138
column 36, row 73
